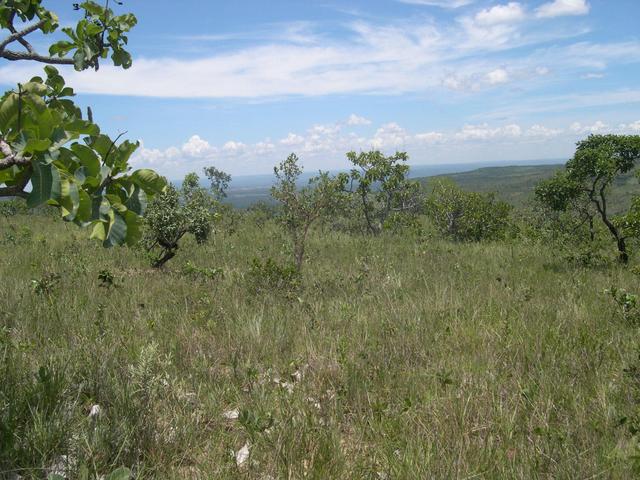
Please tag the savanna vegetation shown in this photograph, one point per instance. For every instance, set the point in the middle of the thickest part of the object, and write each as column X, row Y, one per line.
column 363, row 327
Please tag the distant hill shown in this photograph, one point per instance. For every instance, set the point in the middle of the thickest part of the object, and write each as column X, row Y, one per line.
column 248, row 189
column 515, row 184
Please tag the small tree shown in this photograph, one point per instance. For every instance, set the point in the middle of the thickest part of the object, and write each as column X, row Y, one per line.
column 172, row 215
column 466, row 216
column 382, row 187
column 302, row 207
column 598, row 161
column 219, row 182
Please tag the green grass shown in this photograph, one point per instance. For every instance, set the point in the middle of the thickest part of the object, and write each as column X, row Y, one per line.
column 418, row 358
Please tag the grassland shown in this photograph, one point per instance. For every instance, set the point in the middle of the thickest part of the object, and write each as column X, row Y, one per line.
column 398, row 357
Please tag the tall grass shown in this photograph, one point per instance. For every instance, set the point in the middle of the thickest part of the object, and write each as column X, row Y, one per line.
column 397, row 357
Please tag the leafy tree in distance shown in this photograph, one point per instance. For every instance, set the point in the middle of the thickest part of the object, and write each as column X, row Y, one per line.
column 466, row 216
column 301, row 207
column 597, row 162
column 382, row 187
column 173, row 214
column 219, row 182
column 41, row 158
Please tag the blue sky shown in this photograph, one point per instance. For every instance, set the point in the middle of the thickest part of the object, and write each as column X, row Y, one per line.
column 241, row 84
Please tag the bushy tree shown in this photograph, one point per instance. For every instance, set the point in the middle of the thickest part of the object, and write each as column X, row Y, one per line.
column 597, row 162
column 466, row 216
column 41, row 158
column 173, row 214
column 301, row 207
column 380, row 187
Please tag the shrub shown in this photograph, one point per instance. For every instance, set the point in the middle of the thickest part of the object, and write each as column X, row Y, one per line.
column 302, row 207
column 467, row 216
column 269, row 276
column 382, row 187
column 172, row 215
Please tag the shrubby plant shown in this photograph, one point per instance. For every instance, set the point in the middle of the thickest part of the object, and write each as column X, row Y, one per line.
column 380, row 187
column 173, row 214
column 466, row 216
column 88, row 181
column 302, row 207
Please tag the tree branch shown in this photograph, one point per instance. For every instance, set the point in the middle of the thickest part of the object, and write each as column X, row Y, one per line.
column 19, row 35
column 13, row 56
column 10, row 158
column 13, row 192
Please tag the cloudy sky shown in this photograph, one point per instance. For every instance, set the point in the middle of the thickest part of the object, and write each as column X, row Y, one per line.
column 241, row 84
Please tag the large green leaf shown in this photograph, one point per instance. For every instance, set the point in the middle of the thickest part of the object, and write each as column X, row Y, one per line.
column 134, row 224
column 87, row 158
column 121, row 473
column 137, row 201
column 45, row 184
column 84, row 207
column 8, row 111
column 69, row 199
column 149, row 180
column 117, row 232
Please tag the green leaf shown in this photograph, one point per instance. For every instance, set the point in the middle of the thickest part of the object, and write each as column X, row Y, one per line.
column 87, row 158
column 117, row 233
column 149, row 180
column 137, row 201
column 134, row 231
column 35, row 87
column 8, row 111
column 69, row 199
column 45, row 184
column 121, row 473
column 34, row 145
column 99, row 231
column 84, row 207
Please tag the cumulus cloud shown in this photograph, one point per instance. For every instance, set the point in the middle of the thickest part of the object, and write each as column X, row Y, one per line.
column 542, row 131
column 356, row 120
column 324, row 145
column 511, row 12
column 559, row 8
column 484, row 132
column 497, row 76
column 597, row 127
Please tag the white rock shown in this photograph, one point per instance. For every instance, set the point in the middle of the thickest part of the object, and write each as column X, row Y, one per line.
column 231, row 414
column 95, row 411
column 242, row 455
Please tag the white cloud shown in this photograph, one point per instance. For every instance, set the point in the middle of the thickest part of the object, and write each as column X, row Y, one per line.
column 509, row 13
column 390, row 135
column 559, row 8
column 430, row 137
column 292, row 139
column 542, row 131
column 393, row 58
column 324, row 146
column 484, row 132
column 633, row 128
column 197, row 147
column 497, row 76
column 597, row 127
column 356, row 120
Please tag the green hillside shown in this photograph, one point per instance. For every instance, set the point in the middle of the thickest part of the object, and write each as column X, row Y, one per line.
column 516, row 184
